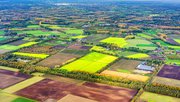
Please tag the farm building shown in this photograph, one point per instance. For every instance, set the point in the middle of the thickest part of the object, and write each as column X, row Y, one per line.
column 142, row 66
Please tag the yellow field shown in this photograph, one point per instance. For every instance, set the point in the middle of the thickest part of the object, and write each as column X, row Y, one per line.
column 27, row 44
column 125, row 75
column 120, row 42
column 31, row 55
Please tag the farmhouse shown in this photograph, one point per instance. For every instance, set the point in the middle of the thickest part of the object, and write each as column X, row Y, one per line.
column 142, row 66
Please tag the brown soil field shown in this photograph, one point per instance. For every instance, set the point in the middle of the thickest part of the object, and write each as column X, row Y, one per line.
column 19, row 42
column 3, row 51
column 79, row 47
column 16, row 74
column 70, row 98
column 76, row 52
column 49, row 89
column 124, row 64
column 63, row 79
column 8, row 80
column 57, row 59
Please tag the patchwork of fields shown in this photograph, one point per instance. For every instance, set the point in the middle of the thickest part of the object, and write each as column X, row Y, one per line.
column 102, row 51
column 33, row 89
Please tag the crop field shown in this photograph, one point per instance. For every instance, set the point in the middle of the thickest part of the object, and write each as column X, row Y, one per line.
column 141, row 44
column 152, row 31
column 9, row 47
column 152, row 97
column 63, row 79
column 55, row 43
column 170, row 71
column 39, row 32
column 120, row 42
column 102, row 49
column 79, row 47
column 22, row 85
column 76, row 52
column 39, row 49
column 28, row 44
column 95, row 38
column 166, row 81
column 17, row 43
column 5, row 97
column 57, row 59
column 138, row 56
column 31, row 55
column 2, row 38
column 79, row 37
column 123, row 65
column 74, row 31
column 69, row 98
column 177, row 40
column 144, row 35
column 161, row 42
column 123, row 75
column 33, row 26
column 57, row 90
column 2, row 51
column 92, row 63
column 172, row 62
column 9, row 68
column 9, row 78
column 175, row 47
column 1, row 32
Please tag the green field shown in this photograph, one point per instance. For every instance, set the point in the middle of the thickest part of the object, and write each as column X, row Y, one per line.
column 138, row 56
column 141, row 44
column 5, row 97
column 75, row 31
column 145, row 35
column 92, row 63
column 161, row 42
column 166, row 44
column 33, row 26
column 1, row 32
column 102, row 50
column 9, row 47
column 79, row 37
column 177, row 40
column 39, row 32
column 152, row 31
column 2, row 38
column 120, row 42
column 175, row 47
column 31, row 55
column 169, row 61
column 152, row 97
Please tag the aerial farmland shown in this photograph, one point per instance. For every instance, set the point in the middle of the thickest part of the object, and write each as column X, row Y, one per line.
column 89, row 51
